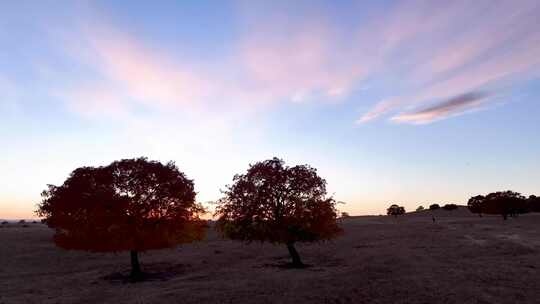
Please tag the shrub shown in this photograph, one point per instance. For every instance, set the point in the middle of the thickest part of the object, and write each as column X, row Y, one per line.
column 450, row 207
column 420, row 208
column 434, row 207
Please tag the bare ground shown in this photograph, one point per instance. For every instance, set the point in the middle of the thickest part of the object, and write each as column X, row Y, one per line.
column 459, row 259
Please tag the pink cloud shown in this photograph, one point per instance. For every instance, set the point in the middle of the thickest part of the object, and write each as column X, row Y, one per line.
column 454, row 106
column 146, row 74
column 435, row 53
column 266, row 69
column 495, row 46
column 301, row 64
column 381, row 108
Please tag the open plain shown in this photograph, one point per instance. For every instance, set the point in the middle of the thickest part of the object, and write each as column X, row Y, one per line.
column 459, row 258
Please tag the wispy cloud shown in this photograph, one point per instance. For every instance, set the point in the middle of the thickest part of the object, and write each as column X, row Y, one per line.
column 126, row 73
column 300, row 64
column 454, row 106
column 422, row 53
column 470, row 47
column 265, row 69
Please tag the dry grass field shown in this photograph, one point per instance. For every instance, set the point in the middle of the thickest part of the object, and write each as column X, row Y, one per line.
column 459, row 259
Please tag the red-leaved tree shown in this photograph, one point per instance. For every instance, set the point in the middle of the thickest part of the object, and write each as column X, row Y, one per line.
column 279, row 204
column 130, row 205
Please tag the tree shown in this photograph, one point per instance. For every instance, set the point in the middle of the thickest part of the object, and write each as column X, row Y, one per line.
column 476, row 203
column 420, row 208
column 505, row 203
column 130, row 205
column 434, row 206
column 395, row 210
column 450, row 207
column 533, row 203
column 275, row 203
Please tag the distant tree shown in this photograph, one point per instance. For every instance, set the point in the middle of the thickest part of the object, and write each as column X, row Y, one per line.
column 5, row 222
column 130, row 205
column 420, row 208
column 279, row 204
column 395, row 210
column 505, row 203
column 450, row 207
column 533, row 203
column 22, row 221
column 476, row 204
column 434, row 207
column 345, row 214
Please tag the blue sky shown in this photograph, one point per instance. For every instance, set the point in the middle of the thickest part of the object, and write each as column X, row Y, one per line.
column 409, row 102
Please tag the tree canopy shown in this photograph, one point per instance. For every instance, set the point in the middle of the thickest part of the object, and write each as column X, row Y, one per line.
column 450, row 207
column 395, row 210
column 533, row 203
column 131, row 204
column 505, row 203
column 279, row 204
column 475, row 204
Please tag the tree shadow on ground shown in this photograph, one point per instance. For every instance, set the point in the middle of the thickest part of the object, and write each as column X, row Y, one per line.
column 152, row 273
column 285, row 265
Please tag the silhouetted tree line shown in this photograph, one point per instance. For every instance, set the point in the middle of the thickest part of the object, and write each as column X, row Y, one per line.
column 137, row 205
column 450, row 207
column 505, row 203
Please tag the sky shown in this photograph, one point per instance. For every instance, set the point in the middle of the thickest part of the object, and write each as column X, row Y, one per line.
column 408, row 102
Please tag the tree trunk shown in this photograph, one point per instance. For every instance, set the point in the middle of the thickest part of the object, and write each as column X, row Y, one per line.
column 135, row 266
column 296, row 262
column 505, row 216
